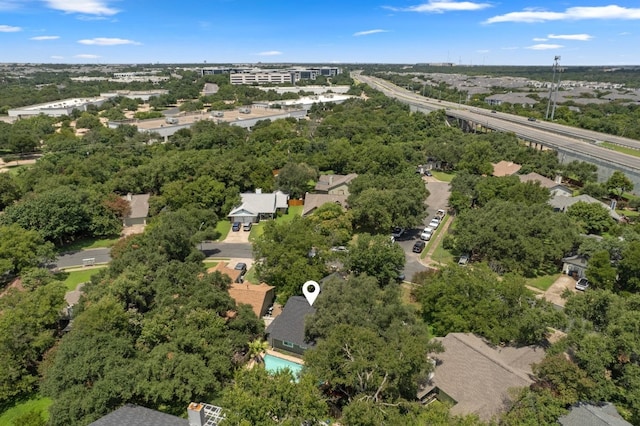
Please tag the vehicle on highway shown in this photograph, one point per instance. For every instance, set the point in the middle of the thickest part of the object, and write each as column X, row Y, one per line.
column 493, row 111
column 246, row 226
column 426, row 233
column 419, row 246
column 235, row 227
column 531, row 119
column 582, row 284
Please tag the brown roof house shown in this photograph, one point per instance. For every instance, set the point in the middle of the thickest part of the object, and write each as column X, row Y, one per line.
column 334, row 184
column 555, row 188
column 313, row 201
column 476, row 377
column 505, row 168
column 139, row 204
column 258, row 296
column 223, row 268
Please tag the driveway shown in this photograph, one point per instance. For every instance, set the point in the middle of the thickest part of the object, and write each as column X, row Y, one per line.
column 554, row 293
column 438, row 199
column 236, row 237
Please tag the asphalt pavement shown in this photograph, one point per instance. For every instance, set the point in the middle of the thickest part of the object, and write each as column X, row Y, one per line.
column 103, row 255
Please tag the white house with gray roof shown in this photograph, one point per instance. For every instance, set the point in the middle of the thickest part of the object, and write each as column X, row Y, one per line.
column 256, row 206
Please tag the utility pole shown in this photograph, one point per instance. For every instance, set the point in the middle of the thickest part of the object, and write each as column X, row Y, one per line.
column 551, row 87
column 555, row 95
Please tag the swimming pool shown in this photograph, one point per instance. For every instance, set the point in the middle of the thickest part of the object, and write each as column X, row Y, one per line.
column 273, row 364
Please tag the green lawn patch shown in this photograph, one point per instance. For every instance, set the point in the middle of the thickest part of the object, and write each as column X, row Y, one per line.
column 11, row 413
column 619, row 148
column 223, row 227
column 543, row 282
column 88, row 243
column 293, row 212
column 431, row 242
column 628, row 213
column 252, row 276
column 14, row 170
column 73, row 278
column 443, row 176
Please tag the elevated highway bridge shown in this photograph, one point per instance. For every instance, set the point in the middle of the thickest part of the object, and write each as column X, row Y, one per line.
column 569, row 142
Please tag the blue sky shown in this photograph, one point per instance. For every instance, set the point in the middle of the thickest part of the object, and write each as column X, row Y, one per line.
column 508, row 32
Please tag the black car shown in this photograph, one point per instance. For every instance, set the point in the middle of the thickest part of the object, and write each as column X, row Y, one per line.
column 419, row 246
column 531, row 119
column 235, row 227
column 241, row 266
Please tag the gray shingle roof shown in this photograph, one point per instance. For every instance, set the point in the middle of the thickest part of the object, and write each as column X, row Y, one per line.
column 261, row 203
column 289, row 325
column 562, row 203
column 134, row 415
column 593, row 415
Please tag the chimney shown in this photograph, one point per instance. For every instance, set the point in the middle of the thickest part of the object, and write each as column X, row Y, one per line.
column 196, row 414
column 129, row 196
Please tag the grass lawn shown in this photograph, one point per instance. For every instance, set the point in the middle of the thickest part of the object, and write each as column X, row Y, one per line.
column 73, row 278
column 441, row 255
column 257, row 228
column 431, row 242
column 36, row 403
column 628, row 213
column 543, row 282
column 622, row 149
column 223, row 227
column 405, row 295
column 251, row 276
column 443, row 176
column 13, row 170
column 88, row 243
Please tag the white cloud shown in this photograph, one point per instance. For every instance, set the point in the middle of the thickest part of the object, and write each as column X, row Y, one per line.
column 579, row 37
column 270, row 53
column 539, row 39
column 543, row 46
column 105, row 41
column 441, row 6
column 9, row 29
column 368, row 32
column 41, row 38
column 89, row 7
column 57, row 57
column 572, row 13
column 86, row 56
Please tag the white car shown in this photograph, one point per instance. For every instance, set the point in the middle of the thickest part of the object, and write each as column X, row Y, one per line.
column 434, row 223
column 426, row 233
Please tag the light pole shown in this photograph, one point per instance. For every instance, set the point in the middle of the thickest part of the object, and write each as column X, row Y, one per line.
column 553, row 80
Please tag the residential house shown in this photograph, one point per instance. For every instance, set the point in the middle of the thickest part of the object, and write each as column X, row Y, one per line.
column 505, row 168
column 334, row 184
column 200, row 414
column 223, row 268
column 286, row 332
column 562, row 203
column 258, row 205
column 555, row 188
column 575, row 266
column 476, row 377
column 584, row 414
column 313, row 201
column 258, row 296
column 139, row 204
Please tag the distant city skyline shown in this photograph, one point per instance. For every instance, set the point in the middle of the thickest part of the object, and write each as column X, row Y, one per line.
column 586, row 32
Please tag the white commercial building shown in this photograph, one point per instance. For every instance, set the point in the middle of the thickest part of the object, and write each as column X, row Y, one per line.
column 57, row 108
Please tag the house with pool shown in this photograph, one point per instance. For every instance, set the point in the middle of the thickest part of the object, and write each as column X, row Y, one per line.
column 286, row 332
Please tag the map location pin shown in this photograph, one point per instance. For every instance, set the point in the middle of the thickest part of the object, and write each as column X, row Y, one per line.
column 310, row 289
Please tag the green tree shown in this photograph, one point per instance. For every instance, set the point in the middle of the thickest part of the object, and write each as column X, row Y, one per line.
column 618, row 184
column 600, row 272
column 592, row 218
column 376, row 256
column 259, row 398
column 581, row 171
column 296, row 179
column 9, row 190
column 629, row 268
column 88, row 121
column 20, row 249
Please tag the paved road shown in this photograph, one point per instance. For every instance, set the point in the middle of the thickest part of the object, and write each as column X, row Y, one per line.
column 102, row 255
column 438, row 199
column 549, row 134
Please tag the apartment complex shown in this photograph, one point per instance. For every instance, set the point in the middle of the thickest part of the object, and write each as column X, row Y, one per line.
column 253, row 76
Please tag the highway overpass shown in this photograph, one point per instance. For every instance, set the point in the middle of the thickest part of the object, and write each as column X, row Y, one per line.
column 571, row 143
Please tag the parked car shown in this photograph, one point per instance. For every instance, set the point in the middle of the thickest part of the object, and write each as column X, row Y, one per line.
column 241, row 266
column 440, row 214
column 397, row 232
column 419, row 246
column 434, row 223
column 464, row 259
column 246, row 226
column 235, row 227
column 582, row 284
column 428, row 173
column 531, row 119
column 340, row 249
column 426, row 233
